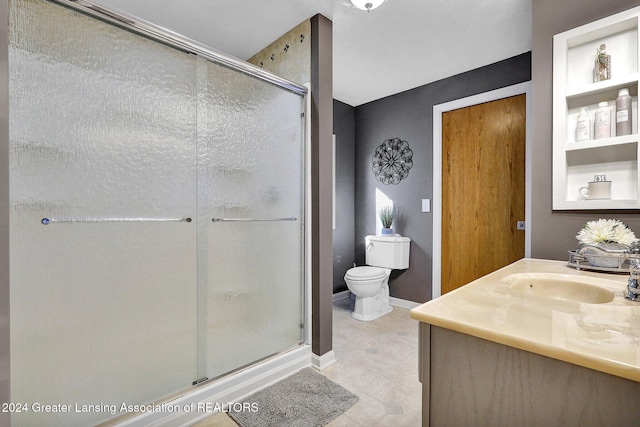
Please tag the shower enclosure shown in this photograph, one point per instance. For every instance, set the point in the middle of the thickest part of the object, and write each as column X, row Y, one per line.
column 157, row 216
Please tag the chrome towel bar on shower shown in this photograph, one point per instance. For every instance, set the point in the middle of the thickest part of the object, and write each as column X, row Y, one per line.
column 252, row 219
column 47, row 221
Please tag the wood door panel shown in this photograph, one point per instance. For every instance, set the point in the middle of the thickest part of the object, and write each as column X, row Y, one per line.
column 483, row 189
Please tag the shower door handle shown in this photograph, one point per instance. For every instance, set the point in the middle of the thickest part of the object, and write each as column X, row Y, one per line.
column 47, row 221
column 252, row 219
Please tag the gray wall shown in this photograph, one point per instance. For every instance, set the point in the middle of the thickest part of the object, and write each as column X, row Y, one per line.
column 554, row 232
column 409, row 116
column 344, row 127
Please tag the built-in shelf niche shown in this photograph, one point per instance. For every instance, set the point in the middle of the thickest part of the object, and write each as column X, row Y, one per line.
column 618, row 162
column 576, row 163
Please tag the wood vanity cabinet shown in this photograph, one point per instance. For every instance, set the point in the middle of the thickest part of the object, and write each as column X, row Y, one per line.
column 468, row 381
column 576, row 163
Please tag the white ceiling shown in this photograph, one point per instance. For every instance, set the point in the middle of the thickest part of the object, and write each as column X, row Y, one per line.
column 401, row 45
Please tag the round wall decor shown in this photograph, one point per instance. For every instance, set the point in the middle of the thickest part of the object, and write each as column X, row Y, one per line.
column 392, row 161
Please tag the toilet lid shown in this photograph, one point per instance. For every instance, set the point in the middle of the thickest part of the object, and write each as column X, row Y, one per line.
column 365, row 273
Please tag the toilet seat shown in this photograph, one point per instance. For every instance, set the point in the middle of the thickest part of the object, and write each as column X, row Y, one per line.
column 358, row 274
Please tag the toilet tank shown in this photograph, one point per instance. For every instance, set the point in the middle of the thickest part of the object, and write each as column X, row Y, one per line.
column 387, row 252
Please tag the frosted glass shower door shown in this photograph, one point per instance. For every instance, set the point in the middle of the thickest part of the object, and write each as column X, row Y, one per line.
column 103, row 297
column 250, row 204
column 156, row 217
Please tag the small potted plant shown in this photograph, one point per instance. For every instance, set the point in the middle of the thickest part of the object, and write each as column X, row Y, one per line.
column 387, row 215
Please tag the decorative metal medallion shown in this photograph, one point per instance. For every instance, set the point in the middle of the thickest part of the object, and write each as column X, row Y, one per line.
column 392, row 161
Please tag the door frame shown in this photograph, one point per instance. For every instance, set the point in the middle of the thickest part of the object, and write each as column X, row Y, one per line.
column 438, row 110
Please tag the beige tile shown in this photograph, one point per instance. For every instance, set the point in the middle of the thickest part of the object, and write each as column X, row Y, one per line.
column 412, row 404
column 386, row 390
column 351, row 377
column 368, row 411
column 392, row 420
column 405, row 372
column 378, row 361
column 344, row 421
column 382, row 363
column 218, row 420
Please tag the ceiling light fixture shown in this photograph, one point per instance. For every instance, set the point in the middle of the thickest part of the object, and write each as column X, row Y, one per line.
column 367, row 4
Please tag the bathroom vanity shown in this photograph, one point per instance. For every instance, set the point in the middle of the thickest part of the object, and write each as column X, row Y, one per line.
column 536, row 343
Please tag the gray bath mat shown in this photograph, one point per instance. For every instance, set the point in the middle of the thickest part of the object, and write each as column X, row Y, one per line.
column 304, row 399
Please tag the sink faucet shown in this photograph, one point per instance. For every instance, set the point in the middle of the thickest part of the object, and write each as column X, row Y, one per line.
column 632, row 292
column 633, row 284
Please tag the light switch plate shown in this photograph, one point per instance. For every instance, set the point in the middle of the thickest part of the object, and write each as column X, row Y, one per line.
column 426, row 205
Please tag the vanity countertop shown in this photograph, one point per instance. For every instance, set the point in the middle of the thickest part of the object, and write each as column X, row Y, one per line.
column 604, row 337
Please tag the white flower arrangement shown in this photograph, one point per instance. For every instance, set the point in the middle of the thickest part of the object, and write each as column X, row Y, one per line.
column 606, row 231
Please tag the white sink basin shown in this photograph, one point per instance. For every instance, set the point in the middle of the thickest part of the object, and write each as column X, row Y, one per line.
column 561, row 287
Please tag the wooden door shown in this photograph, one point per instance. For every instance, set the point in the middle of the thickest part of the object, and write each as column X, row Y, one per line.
column 483, row 189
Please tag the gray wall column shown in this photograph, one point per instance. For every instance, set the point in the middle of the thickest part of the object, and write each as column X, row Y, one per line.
column 321, row 184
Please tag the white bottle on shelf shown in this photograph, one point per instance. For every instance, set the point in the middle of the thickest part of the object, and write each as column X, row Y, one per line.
column 583, row 126
column 602, row 122
column 623, row 113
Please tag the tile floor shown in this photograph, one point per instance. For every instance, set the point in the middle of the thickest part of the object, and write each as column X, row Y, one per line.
column 378, row 361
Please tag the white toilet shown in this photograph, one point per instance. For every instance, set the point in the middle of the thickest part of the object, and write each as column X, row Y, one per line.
column 370, row 284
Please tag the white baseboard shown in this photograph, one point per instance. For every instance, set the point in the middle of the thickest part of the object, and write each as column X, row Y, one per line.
column 403, row 303
column 324, row 361
column 341, row 295
column 396, row 302
column 220, row 393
